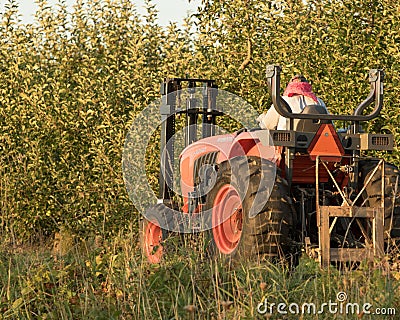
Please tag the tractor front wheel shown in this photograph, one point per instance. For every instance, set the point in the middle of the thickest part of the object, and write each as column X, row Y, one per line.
column 156, row 228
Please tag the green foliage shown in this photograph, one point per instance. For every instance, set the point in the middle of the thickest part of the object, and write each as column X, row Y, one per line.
column 72, row 82
column 70, row 85
column 333, row 43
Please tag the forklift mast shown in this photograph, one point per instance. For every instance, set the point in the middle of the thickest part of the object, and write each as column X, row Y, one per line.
column 171, row 90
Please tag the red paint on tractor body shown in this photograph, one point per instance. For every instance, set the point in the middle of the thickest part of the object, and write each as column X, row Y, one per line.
column 227, row 146
column 304, row 170
column 326, row 145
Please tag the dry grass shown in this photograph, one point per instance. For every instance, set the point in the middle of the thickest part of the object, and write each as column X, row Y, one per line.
column 108, row 279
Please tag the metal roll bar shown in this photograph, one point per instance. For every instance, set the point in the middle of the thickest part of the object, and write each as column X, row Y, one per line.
column 376, row 77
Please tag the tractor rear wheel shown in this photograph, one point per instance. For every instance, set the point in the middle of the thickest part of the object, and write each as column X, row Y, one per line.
column 392, row 194
column 242, row 225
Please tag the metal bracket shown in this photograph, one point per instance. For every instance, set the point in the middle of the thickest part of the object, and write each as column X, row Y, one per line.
column 374, row 245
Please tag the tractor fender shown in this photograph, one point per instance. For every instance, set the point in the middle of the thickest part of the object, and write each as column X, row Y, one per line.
column 217, row 149
column 253, row 143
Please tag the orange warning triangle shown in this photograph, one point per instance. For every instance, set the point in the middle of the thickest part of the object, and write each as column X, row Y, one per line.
column 326, row 144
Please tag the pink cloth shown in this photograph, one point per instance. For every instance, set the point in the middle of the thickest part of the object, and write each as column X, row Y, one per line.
column 301, row 88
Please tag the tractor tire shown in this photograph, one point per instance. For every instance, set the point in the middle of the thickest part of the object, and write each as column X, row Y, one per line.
column 392, row 194
column 249, row 228
column 155, row 229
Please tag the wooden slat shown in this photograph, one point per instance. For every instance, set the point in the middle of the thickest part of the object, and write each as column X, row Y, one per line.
column 357, row 212
column 377, row 234
column 351, row 254
column 324, row 240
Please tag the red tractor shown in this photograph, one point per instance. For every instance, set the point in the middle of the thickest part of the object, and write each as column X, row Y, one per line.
column 260, row 193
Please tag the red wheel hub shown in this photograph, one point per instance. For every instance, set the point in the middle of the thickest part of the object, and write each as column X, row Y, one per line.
column 227, row 219
column 152, row 242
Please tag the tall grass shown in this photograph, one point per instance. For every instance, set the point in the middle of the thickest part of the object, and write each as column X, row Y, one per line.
column 109, row 279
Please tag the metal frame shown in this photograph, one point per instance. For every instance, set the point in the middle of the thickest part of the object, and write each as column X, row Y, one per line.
column 376, row 77
column 374, row 244
column 170, row 92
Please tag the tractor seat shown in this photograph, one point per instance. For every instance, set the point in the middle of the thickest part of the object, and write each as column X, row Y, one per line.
column 310, row 125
